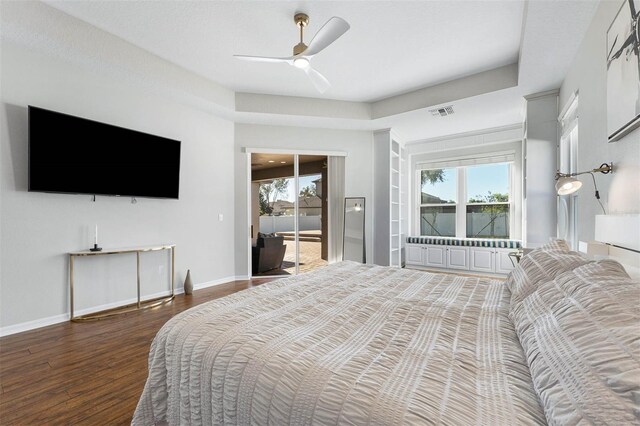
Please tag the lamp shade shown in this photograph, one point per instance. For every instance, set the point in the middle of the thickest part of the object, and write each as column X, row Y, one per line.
column 567, row 185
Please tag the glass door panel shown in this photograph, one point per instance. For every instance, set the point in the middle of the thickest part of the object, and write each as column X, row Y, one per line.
column 312, row 212
column 273, row 189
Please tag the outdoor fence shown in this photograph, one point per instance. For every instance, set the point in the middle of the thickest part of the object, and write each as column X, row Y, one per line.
column 480, row 225
column 269, row 224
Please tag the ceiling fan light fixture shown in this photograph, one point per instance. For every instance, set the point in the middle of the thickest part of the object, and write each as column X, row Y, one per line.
column 301, row 63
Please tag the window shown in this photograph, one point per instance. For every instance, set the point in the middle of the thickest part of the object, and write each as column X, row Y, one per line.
column 488, row 201
column 438, row 199
column 568, row 163
column 470, row 200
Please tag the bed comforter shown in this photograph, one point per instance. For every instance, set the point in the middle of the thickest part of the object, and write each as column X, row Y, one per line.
column 348, row 344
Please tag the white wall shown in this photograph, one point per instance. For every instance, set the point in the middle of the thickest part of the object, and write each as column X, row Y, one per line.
column 620, row 191
column 541, row 142
column 358, row 169
column 37, row 230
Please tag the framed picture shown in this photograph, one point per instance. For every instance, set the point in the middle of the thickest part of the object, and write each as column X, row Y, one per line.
column 623, row 71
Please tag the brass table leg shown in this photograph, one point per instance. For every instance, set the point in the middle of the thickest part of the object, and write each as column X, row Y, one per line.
column 138, row 274
column 71, row 285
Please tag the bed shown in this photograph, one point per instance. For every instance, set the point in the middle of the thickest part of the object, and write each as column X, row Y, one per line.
column 362, row 344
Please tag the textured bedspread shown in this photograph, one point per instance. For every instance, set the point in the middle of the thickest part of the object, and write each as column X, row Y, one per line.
column 349, row 344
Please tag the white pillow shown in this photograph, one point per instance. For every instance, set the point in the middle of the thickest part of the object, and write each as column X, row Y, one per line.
column 581, row 335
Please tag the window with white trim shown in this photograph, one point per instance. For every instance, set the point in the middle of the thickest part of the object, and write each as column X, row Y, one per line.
column 466, row 198
column 438, row 199
column 488, row 201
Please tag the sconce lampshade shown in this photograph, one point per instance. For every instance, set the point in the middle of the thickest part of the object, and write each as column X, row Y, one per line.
column 567, row 185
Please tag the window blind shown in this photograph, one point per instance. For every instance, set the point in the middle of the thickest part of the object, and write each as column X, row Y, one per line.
column 495, row 157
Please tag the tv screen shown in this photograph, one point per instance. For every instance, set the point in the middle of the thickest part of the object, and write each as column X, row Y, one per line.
column 74, row 155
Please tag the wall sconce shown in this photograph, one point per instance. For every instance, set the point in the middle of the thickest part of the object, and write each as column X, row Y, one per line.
column 566, row 183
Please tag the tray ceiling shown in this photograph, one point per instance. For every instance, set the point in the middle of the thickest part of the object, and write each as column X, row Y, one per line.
column 393, row 46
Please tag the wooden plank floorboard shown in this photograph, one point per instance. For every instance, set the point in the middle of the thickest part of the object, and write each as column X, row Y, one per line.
column 87, row 373
column 17, row 412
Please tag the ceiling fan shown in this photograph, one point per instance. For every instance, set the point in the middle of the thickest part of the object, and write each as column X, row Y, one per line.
column 302, row 54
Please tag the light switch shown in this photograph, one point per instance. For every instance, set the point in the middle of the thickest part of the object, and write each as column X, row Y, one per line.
column 220, row 217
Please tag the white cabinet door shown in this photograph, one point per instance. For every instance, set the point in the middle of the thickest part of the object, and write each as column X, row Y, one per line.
column 503, row 261
column 482, row 259
column 436, row 256
column 414, row 254
column 458, row 257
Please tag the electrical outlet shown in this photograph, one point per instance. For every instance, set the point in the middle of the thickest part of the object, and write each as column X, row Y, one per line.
column 220, row 217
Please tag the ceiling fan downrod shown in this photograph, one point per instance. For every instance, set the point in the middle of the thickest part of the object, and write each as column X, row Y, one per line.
column 301, row 20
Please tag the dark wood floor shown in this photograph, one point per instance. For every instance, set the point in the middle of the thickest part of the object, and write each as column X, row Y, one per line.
column 86, row 373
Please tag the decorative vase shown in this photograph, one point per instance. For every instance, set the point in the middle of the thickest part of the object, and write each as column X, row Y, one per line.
column 188, row 285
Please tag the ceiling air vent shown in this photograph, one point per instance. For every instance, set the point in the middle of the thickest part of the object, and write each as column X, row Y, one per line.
column 442, row 112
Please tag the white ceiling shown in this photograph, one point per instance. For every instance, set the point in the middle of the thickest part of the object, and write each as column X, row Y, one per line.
column 392, row 47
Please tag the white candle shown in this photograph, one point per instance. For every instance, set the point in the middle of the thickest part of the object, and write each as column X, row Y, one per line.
column 96, row 239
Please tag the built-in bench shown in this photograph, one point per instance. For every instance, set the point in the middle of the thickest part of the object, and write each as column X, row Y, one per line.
column 490, row 256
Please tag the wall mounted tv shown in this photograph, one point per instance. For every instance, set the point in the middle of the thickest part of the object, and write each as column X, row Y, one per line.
column 74, row 155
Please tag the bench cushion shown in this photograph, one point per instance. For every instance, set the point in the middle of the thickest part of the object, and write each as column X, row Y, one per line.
column 465, row 242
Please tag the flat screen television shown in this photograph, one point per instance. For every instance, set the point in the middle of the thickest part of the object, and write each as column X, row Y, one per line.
column 74, row 155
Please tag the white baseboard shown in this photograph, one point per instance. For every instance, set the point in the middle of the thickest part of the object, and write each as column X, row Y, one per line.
column 213, row 283
column 31, row 325
column 56, row 319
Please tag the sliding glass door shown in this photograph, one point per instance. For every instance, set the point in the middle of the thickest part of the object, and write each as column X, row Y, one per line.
column 288, row 213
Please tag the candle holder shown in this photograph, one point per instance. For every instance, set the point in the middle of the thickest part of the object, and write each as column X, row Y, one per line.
column 95, row 248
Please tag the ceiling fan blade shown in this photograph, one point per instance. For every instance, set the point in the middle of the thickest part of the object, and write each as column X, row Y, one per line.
column 262, row 59
column 318, row 80
column 330, row 32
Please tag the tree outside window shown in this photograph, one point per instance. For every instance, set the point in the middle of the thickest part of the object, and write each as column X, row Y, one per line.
column 488, row 206
column 488, row 216
column 269, row 192
column 438, row 202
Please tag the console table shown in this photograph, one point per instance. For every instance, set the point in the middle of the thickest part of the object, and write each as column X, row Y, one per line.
column 128, row 307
